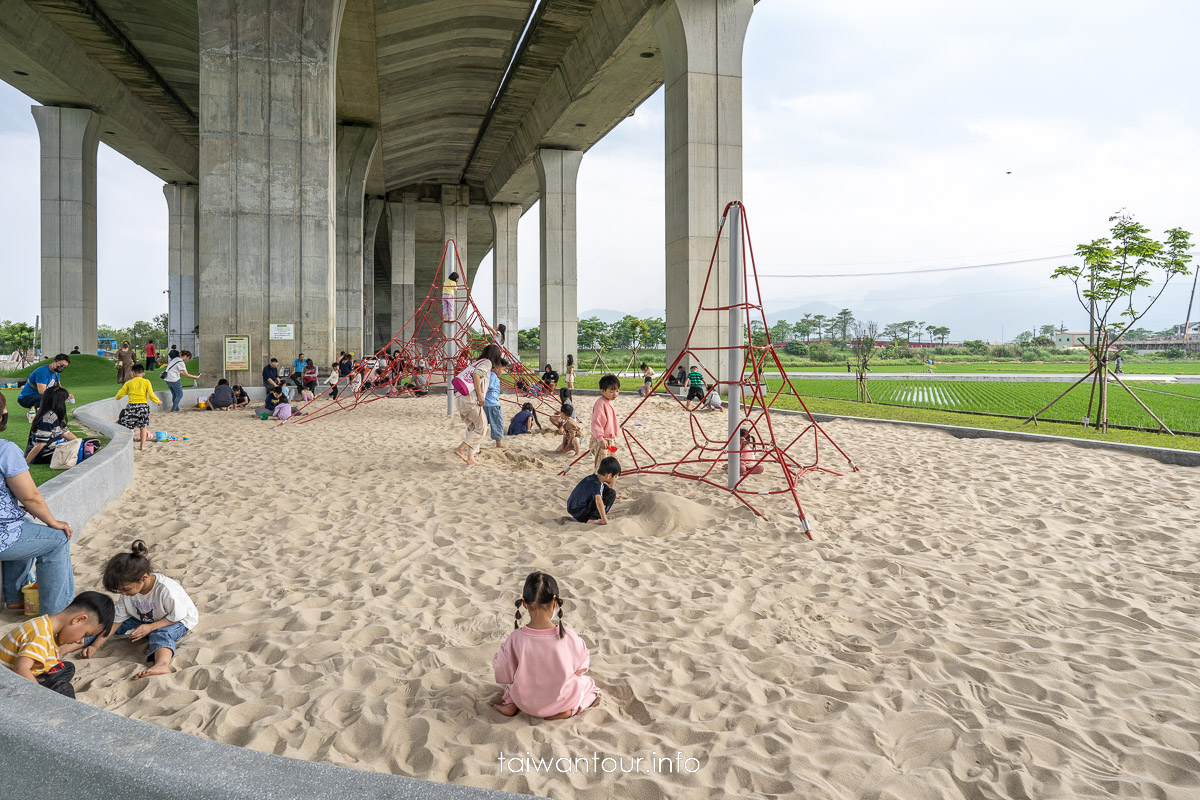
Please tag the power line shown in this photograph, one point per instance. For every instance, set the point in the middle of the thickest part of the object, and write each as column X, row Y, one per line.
column 920, row 271
column 927, row 297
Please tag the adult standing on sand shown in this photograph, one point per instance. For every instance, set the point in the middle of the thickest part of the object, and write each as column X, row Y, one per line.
column 125, row 356
column 470, row 406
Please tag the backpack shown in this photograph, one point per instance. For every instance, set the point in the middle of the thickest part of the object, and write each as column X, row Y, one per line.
column 68, row 453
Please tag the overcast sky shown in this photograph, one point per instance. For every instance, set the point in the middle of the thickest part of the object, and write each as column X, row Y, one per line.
column 879, row 136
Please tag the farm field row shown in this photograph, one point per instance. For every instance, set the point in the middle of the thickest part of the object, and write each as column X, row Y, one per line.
column 1177, row 405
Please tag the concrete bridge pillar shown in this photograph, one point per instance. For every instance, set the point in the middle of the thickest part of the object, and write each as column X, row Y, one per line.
column 505, row 217
column 68, row 169
column 373, row 213
column 701, row 42
column 183, row 241
column 456, row 205
column 267, row 185
column 402, row 217
column 558, row 173
column 356, row 146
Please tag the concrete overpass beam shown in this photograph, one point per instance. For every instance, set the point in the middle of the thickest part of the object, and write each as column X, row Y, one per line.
column 371, row 217
column 356, row 146
column 267, row 186
column 402, row 216
column 505, row 217
column 68, row 170
column 701, row 42
column 183, row 242
column 558, row 173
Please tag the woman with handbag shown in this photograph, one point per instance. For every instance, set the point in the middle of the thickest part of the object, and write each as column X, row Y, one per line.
column 49, row 427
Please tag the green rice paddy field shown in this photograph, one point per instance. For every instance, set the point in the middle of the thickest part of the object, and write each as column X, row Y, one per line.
column 1178, row 405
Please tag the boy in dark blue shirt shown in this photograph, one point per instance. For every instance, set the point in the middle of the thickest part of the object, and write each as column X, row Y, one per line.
column 592, row 499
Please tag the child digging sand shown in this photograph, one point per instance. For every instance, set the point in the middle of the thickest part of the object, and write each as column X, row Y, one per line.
column 152, row 606
column 136, row 415
column 543, row 665
column 593, row 497
column 569, row 427
column 33, row 649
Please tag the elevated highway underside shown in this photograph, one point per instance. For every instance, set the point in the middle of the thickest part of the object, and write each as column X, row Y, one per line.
column 435, row 111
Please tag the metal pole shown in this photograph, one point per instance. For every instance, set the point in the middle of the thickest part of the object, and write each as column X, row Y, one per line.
column 449, row 260
column 735, row 345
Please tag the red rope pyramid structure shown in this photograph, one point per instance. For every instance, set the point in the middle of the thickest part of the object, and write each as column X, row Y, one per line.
column 436, row 351
column 747, row 458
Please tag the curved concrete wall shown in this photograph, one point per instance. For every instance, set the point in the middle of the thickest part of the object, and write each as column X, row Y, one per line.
column 53, row 746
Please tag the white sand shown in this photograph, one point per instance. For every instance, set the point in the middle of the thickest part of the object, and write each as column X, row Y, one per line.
column 976, row 618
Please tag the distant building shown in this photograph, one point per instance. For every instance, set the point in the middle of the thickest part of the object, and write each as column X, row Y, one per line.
column 1193, row 329
column 1064, row 340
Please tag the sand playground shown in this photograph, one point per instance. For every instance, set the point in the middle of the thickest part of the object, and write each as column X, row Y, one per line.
column 975, row 618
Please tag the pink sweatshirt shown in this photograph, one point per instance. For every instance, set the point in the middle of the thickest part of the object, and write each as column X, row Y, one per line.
column 604, row 419
column 545, row 674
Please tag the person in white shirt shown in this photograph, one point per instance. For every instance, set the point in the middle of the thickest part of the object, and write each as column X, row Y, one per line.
column 151, row 607
column 176, row 371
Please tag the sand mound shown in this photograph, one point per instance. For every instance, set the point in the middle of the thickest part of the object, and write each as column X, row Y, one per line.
column 976, row 618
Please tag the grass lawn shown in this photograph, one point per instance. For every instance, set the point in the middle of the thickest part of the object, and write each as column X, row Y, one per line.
column 1142, row 365
column 89, row 378
column 851, row 408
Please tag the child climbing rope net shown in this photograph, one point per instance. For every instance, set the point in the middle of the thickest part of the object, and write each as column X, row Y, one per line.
column 435, row 344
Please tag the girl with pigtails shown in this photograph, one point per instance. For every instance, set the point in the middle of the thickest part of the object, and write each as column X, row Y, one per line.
column 543, row 664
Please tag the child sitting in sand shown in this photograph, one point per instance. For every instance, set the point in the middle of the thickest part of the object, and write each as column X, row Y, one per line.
column 33, row 649
column 572, row 431
column 593, row 497
column 543, row 665
column 523, row 420
column 152, row 606
column 712, row 400
column 562, row 415
column 282, row 410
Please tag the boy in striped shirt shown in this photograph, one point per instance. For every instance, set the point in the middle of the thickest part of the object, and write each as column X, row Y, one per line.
column 34, row 649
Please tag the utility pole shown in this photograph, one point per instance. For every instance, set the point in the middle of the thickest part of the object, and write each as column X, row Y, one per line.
column 1188, row 320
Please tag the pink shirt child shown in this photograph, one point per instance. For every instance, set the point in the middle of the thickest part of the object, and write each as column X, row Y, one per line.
column 545, row 675
column 604, row 419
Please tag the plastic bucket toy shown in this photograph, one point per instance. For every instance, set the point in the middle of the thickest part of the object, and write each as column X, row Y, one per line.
column 202, row 404
column 263, row 415
column 160, row 436
column 30, row 594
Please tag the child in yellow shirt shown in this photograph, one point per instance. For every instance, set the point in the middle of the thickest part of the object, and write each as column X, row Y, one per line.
column 136, row 415
column 34, row 649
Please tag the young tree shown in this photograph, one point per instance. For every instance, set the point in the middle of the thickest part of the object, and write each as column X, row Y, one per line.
column 1107, row 285
column 1024, row 338
column 529, row 339
column 758, row 333
column 1047, row 330
column 863, row 346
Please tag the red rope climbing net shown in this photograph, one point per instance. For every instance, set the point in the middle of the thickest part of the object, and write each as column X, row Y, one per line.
column 768, row 465
column 436, row 348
